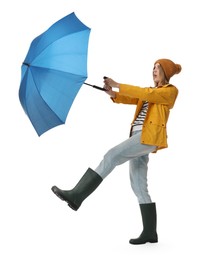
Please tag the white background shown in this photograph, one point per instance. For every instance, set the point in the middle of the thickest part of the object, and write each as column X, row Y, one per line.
column 126, row 38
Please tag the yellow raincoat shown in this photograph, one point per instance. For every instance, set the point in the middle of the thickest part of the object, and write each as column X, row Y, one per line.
column 161, row 100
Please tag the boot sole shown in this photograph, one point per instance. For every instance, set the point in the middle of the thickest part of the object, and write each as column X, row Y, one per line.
column 71, row 205
column 143, row 242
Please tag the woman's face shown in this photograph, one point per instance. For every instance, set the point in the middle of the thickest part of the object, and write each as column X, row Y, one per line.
column 158, row 74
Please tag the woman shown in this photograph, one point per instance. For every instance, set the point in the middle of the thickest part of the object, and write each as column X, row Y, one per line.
column 148, row 134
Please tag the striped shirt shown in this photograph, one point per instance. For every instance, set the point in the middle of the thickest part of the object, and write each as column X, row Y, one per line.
column 138, row 123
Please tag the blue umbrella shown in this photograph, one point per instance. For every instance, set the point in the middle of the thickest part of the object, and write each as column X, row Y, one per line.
column 53, row 72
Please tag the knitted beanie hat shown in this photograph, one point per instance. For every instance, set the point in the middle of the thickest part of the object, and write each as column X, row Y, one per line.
column 169, row 67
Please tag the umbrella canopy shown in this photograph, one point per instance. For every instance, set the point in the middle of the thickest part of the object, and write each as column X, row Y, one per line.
column 53, row 72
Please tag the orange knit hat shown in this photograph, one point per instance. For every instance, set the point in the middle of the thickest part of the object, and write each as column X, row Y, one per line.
column 169, row 67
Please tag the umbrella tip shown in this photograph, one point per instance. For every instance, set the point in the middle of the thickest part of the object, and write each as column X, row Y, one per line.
column 27, row 64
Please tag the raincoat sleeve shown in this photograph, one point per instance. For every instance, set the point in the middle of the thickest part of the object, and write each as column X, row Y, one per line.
column 165, row 95
column 124, row 99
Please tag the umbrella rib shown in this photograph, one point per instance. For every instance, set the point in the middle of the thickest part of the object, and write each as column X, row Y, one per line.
column 58, row 70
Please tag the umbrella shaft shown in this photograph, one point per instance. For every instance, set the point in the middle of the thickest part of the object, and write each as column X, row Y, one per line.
column 94, row 86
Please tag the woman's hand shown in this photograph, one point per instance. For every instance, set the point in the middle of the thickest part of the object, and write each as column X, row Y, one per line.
column 111, row 83
column 108, row 85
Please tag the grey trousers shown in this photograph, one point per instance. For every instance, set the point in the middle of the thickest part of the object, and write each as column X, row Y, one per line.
column 138, row 156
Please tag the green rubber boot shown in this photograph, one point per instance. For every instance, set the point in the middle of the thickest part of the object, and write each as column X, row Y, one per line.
column 149, row 219
column 87, row 184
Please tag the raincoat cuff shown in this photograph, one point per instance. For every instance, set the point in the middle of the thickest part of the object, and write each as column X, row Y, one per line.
column 115, row 99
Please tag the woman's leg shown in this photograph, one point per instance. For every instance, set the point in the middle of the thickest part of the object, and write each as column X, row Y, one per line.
column 125, row 151
column 138, row 168
column 138, row 175
column 131, row 148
